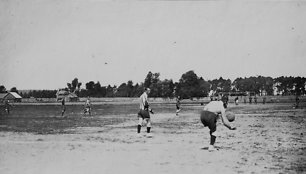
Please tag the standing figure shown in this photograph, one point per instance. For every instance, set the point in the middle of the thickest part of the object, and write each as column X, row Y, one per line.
column 264, row 100
column 87, row 108
column 143, row 114
column 209, row 117
column 178, row 105
column 63, row 106
column 297, row 101
column 236, row 100
column 7, row 106
column 255, row 99
column 250, row 99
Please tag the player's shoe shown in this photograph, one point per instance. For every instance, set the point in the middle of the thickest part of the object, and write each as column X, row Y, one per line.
column 217, row 134
column 211, row 148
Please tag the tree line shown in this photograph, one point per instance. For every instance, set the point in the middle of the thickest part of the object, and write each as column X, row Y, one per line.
column 190, row 85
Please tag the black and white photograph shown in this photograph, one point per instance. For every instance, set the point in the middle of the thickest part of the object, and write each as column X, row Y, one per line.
column 152, row 86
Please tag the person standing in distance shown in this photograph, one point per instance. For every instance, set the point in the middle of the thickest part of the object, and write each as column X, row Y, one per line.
column 178, row 105
column 236, row 100
column 143, row 114
column 87, row 106
column 63, row 106
column 7, row 106
column 209, row 117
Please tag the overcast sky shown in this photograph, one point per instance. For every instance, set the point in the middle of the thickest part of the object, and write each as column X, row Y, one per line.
column 44, row 44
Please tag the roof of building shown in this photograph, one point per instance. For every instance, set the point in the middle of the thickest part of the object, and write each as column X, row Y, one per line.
column 15, row 94
column 3, row 95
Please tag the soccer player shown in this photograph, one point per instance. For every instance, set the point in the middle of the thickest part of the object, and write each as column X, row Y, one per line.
column 63, row 106
column 236, row 100
column 264, row 100
column 297, row 101
column 143, row 114
column 209, row 117
column 87, row 106
column 178, row 105
column 7, row 106
column 250, row 99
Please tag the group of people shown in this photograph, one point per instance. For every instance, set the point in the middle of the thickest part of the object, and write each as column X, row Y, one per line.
column 209, row 116
column 87, row 108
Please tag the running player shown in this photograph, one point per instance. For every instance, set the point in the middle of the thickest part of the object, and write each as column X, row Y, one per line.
column 209, row 118
column 143, row 114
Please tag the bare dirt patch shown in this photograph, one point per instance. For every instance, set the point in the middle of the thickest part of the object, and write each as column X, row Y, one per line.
column 270, row 139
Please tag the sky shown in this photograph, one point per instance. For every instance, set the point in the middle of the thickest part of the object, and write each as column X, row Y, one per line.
column 45, row 44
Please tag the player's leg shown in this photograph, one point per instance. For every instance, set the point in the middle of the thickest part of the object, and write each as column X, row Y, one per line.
column 178, row 109
column 63, row 110
column 210, row 119
column 213, row 136
column 148, row 125
column 140, row 120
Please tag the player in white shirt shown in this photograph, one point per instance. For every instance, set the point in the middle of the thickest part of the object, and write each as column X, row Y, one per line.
column 209, row 118
column 143, row 114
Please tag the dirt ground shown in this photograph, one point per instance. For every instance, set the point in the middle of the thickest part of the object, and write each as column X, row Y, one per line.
column 269, row 139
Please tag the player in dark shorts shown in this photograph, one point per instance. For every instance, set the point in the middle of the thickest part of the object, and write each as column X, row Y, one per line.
column 143, row 114
column 210, row 115
column 209, row 119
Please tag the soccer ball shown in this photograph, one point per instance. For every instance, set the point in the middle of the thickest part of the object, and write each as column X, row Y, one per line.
column 230, row 116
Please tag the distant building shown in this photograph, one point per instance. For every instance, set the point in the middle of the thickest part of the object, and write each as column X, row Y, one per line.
column 11, row 96
column 62, row 93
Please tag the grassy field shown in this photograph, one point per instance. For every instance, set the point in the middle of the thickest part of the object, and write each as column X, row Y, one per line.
column 47, row 119
column 269, row 138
